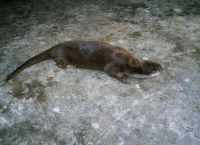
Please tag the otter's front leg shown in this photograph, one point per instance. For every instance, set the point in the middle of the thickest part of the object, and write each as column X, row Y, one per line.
column 113, row 70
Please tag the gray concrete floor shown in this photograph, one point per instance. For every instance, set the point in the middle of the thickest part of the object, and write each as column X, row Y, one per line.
column 51, row 106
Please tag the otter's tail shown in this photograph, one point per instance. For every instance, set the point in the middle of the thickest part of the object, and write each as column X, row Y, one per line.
column 34, row 60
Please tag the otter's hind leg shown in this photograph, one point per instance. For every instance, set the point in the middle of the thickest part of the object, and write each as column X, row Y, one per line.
column 113, row 70
column 61, row 62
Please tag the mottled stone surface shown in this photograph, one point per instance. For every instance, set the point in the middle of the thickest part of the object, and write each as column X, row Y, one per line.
column 45, row 105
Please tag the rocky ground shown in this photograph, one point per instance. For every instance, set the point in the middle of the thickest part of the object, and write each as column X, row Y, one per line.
column 46, row 105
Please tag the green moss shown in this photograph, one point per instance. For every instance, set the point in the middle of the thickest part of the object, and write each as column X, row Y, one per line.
column 196, row 53
column 196, row 108
column 135, row 34
column 107, row 38
column 17, row 89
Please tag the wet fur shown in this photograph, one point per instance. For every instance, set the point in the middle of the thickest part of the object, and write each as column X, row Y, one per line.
column 115, row 61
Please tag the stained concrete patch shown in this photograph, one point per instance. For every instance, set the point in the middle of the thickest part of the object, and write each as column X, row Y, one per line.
column 33, row 89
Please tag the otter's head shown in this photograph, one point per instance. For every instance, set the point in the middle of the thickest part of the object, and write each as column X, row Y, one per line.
column 149, row 67
column 135, row 65
column 144, row 66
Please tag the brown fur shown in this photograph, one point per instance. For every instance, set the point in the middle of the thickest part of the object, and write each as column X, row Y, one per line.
column 115, row 61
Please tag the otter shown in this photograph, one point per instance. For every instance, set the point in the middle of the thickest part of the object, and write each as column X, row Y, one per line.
column 116, row 61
